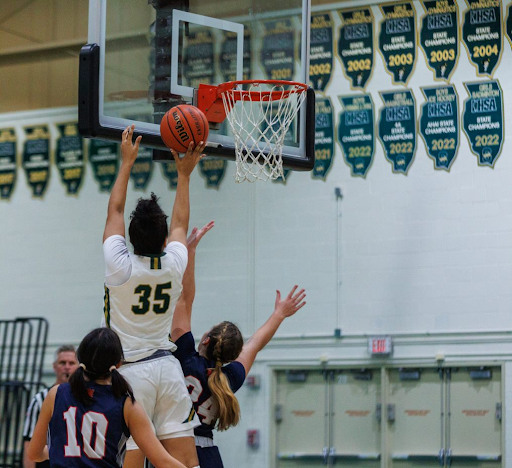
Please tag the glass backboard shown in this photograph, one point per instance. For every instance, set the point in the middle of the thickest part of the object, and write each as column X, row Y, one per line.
column 146, row 56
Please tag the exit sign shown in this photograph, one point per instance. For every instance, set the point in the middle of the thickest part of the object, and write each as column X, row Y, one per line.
column 380, row 345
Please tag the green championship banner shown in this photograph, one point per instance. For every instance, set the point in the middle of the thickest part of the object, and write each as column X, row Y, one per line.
column 397, row 129
column 36, row 158
column 228, row 56
column 439, row 37
column 355, row 46
column 324, row 138
column 482, row 120
column 213, row 171
column 69, row 157
column 198, row 64
column 397, row 40
column 278, row 50
column 170, row 173
column 439, row 125
column 508, row 24
column 142, row 168
column 356, row 132
column 7, row 162
column 481, row 34
column 103, row 156
column 320, row 51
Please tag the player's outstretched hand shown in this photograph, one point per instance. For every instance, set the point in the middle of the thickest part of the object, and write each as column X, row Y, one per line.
column 129, row 150
column 197, row 234
column 186, row 164
column 291, row 304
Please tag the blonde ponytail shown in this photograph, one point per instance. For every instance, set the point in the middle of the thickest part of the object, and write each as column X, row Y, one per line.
column 227, row 343
column 227, row 403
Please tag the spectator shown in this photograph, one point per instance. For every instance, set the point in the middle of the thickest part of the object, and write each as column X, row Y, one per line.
column 64, row 365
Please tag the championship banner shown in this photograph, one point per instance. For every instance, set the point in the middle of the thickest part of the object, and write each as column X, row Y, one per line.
column 213, row 171
column 8, row 170
column 320, row 51
column 482, row 120
column 103, row 156
column 439, row 37
column 278, row 50
column 142, row 168
column 508, row 24
column 397, row 129
column 355, row 46
column 324, row 138
column 228, row 56
column 356, row 132
column 170, row 173
column 198, row 64
column 481, row 34
column 397, row 40
column 439, row 125
column 69, row 157
column 36, row 158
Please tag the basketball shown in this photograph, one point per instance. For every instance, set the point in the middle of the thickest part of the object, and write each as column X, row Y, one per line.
column 183, row 124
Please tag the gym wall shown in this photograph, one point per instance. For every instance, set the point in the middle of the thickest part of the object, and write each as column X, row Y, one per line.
column 425, row 257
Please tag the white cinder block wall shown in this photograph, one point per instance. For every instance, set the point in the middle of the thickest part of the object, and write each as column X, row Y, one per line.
column 425, row 257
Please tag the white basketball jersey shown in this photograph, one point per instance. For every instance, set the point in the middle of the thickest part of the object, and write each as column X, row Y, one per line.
column 140, row 311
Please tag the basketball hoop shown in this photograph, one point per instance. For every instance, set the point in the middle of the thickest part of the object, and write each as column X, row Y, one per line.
column 259, row 113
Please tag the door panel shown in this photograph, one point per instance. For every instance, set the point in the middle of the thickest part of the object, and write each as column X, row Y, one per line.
column 356, row 418
column 415, row 428
column 474, row 429
column 301, row 431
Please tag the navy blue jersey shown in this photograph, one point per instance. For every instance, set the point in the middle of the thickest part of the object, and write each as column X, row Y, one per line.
column 87, row 435
column 195, row 368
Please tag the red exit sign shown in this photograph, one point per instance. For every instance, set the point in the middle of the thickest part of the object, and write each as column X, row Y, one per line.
column 380, row 345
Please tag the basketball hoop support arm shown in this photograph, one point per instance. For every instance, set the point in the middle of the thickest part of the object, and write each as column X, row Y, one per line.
column 210, row 102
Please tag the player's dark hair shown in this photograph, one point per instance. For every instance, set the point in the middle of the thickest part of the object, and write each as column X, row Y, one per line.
column 226, row 343
column 98, row 352
column 148, row 227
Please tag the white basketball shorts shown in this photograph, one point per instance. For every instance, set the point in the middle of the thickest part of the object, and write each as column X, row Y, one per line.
column 159, row 387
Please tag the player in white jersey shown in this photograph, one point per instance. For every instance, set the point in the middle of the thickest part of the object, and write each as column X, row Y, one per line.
column 141, row 290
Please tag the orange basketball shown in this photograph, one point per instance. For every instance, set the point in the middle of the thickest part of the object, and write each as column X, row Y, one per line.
column 183, row 124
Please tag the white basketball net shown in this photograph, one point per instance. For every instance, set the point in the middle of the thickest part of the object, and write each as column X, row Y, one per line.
column 259, row 127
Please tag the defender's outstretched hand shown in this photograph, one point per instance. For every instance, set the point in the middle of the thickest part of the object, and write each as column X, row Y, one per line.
column 186, row 164
column 129, row 150
column 291, row 304
column 197, row 234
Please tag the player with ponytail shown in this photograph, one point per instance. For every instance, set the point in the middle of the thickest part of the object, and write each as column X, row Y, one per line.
column 223, row 345
column 219, row 366
column 89, row 419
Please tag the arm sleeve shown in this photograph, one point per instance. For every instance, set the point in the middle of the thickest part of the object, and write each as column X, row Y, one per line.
column 179, row 253
column 235, row 372
column 186, row 347
column 118, row 266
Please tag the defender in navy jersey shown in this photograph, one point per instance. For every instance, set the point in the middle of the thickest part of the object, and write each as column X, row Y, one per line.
column 88, row 420
column 219, row 366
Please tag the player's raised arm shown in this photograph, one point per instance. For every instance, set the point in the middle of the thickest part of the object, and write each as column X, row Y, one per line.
column 283, row 309
column 181, row 321
column 115, row 213
column 181, row 210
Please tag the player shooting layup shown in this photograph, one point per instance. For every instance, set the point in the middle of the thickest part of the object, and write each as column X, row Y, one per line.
column 141, row 291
